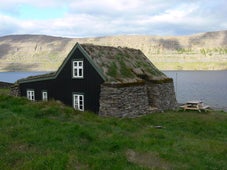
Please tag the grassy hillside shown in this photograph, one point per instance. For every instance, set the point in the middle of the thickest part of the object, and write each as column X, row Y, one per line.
column 37, row 135
column 205, row 51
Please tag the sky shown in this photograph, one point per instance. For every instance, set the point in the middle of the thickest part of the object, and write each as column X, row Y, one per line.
column 95, row 18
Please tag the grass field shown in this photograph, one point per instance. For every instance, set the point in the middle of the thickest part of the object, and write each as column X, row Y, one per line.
column 39, row 136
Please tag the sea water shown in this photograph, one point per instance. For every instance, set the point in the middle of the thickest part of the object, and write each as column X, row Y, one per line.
column 207, row 86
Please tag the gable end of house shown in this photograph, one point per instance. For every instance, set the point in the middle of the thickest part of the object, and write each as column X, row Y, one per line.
column 54, row 75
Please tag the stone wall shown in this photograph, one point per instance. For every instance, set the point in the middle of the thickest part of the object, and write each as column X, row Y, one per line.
column 136, row 100
column 15, row 90
column 5, row 84
column 161, row 95
column 131, row 101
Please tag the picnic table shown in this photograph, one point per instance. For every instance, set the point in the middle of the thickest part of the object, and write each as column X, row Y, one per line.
column 195, row 105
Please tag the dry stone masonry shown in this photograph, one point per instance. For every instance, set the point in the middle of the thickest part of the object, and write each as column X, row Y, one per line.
column 129, row 101
column 15, row 90
column 161, row 95
column 136, row 100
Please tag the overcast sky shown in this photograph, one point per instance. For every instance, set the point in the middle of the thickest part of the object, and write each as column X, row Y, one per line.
column 92, row 18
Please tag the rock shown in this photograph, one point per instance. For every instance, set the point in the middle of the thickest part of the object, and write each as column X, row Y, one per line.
column 136, row 100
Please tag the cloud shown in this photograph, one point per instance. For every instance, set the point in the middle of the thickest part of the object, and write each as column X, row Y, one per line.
column 104, row 6
column 8, row 25
column 89, row 18
column 10, row 4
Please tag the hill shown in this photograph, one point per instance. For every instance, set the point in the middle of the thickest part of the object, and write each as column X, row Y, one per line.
column 205, row 51
column 49, row 135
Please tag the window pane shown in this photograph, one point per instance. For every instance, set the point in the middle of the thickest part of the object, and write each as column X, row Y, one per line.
column 80, row 72
column 77, row 69
column 45, row 96
column 76, row 72
column 78, row 102
column 30, row 95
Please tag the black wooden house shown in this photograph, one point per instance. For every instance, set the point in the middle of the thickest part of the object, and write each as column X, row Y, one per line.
column 105, row 80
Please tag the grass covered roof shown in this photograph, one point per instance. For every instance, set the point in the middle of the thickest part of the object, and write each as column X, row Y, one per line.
column 117, row 65
column 123, row 64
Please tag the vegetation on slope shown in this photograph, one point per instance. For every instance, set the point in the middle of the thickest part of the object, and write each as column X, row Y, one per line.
column 46, row 53
column 49, row 135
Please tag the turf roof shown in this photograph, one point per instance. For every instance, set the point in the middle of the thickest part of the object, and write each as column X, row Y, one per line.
column 123, row 64
column 115, row 65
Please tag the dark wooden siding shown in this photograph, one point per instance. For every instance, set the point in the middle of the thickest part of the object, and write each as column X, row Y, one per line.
column 63, row 87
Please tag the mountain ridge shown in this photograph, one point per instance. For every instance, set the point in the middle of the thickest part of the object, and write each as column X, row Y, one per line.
column 203, row 51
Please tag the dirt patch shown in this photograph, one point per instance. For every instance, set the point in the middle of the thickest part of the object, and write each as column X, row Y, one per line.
column 73, row 163
column 149, row 160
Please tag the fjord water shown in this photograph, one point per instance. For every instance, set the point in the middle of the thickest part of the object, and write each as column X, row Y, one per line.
column 12, row 77
column 208, row 86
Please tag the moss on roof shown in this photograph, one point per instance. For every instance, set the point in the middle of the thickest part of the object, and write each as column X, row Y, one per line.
column 123, row 64
column 36, row 77
column 118, row 65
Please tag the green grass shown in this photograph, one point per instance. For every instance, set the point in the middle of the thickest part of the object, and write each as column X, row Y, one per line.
column 49, row 135
column 112, row 71
column 4, row 91
column 119, row 68
column 124, row 70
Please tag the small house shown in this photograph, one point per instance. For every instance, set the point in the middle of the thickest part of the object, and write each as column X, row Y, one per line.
column 109, row 81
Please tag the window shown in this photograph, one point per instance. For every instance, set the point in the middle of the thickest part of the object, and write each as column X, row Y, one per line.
column 78, row 69
column 78, row 102
column 44, row 96
column 31, row 95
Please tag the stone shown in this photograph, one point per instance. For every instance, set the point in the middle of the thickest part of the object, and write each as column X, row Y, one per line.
column 136, row 100
column 15, row 90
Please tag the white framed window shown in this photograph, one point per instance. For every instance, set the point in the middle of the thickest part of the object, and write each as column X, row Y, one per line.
column 78, row 102
column 78, row 69
column 44, row 95
column 31, row 95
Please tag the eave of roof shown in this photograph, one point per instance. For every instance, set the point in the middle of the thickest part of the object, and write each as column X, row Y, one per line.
column 41, row 77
